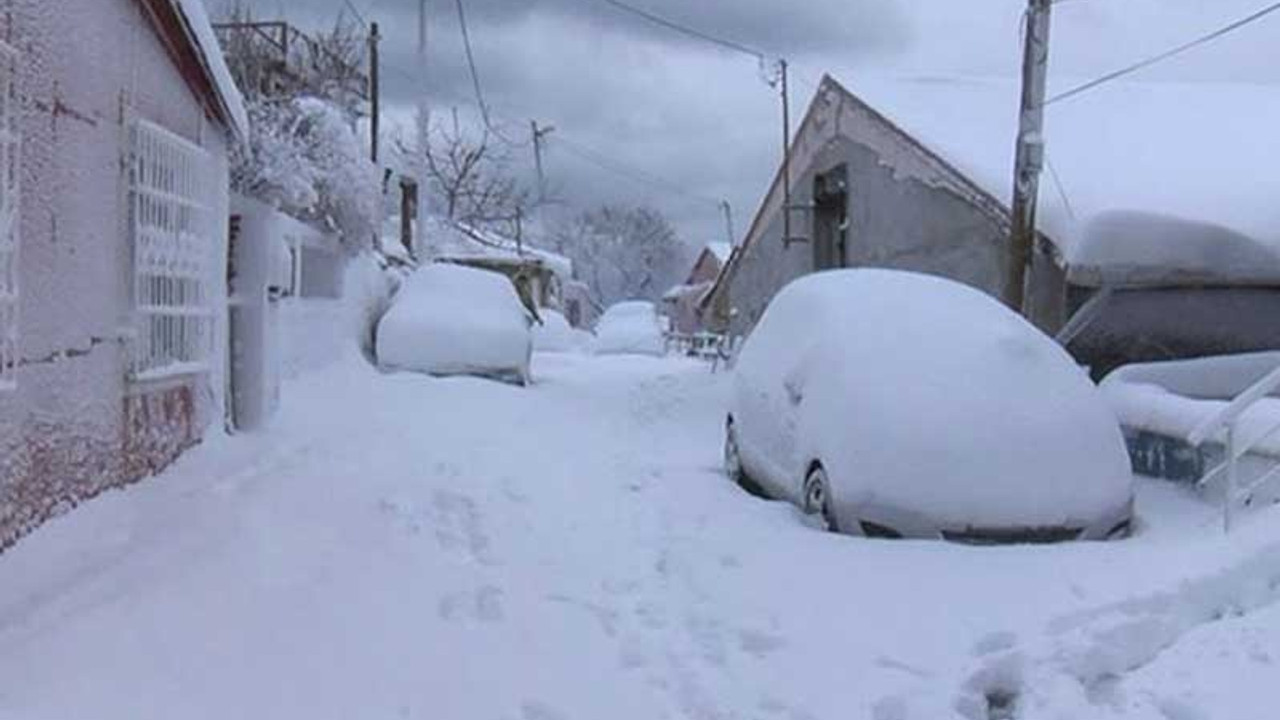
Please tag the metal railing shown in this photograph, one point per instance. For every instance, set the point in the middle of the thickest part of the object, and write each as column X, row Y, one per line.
column 712, row 347
column 1225, row 427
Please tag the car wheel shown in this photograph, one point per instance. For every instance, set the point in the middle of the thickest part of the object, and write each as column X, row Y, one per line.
column 732, row 455
column 817, row 497
column 733, row 466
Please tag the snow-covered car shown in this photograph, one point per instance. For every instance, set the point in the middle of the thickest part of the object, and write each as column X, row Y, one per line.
column 454, row 320
column 893, row 404
column 632, row 327
column 555, row 334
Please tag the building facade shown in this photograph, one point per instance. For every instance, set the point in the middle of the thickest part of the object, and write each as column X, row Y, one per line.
column 117, row 118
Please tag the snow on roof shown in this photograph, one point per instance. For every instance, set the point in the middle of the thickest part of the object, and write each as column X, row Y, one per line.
column 206, row 45
column 680, row 291
column 722, row 251
column 1207, row 153
column 450, row 240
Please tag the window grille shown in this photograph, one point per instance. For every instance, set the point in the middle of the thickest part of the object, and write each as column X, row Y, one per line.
column 10, row 150
column 173, row 240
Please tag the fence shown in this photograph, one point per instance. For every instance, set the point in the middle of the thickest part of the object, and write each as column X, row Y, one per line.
column 709, row 346
column 172, row 227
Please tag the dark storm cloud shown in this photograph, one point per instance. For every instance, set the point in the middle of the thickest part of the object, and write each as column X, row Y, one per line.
column 698, row 115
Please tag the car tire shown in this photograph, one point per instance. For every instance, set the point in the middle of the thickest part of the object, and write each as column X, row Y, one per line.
column 733, row 467
column 817, row 497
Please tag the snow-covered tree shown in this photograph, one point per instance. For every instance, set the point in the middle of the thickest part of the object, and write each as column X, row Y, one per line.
column 623, row 253
column 304, row 157
column 304, row 154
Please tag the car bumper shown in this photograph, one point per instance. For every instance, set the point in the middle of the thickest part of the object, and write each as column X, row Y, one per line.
column 889, row 522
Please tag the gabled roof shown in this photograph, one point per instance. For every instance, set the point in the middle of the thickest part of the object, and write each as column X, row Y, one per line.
column 1201, row 152
column 184, row 26
column 1194, row 156
column 721, row 250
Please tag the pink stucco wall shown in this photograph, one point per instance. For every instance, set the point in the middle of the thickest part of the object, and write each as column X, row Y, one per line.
column 76, row 424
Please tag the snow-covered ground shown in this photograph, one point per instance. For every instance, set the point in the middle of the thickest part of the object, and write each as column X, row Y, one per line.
column 408, row 547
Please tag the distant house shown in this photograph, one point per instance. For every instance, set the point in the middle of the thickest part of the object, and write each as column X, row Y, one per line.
column 115, row 122
column 539, row 275
column 681, row 303
column 1158, row 202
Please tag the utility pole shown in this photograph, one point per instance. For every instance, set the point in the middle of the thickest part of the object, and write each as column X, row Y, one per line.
column 1029, row 154
column 728, row 219
column 374, row 90
column 786, row 155
column 538, row 134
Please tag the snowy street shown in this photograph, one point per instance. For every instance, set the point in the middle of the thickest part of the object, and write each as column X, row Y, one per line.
column 407, row 547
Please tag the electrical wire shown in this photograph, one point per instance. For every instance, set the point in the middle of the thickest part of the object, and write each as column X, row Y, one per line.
column 475, row 80
column 356, row 11
column 686, row 30
column 630, row 172
column 1227, row 29
column 587, row 154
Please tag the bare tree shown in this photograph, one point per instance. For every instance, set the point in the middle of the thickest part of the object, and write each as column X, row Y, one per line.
column 623, row 253
column 471, row 176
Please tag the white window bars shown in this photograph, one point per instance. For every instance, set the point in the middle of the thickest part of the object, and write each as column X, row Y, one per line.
column 173, row 240
column 10, row 151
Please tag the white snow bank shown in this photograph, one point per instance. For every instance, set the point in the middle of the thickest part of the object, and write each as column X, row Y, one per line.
column 556, row 335
column 920, row 395
column 450, row 319
column 631, row 327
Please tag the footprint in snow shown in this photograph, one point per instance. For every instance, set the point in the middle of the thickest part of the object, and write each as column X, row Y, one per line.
column 483, row 605
column 534, row 710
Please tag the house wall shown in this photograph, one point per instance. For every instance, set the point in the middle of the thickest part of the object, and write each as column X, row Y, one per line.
column 75, row 425
column 705, row 269
column 907, row 209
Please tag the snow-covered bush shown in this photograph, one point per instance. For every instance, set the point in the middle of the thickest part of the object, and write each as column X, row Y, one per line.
column 305, row 157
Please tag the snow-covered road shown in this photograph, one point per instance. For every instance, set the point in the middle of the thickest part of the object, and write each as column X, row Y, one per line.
column 404, row 547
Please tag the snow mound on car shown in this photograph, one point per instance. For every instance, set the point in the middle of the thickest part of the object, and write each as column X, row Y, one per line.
column 629, row 328
column 924, row 394
column 454, row 319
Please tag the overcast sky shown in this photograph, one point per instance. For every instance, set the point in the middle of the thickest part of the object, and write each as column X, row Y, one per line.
column 700, row 117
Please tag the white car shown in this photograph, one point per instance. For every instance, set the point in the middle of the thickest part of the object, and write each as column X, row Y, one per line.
column 455, row 320
column 632, row 327
column 893, row 404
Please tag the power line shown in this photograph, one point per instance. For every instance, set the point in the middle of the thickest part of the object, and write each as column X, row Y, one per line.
column 356, row 11
column 635, row 174
column 1232, row 27
column 686, row 30
column 596, row 158
column 475, row 78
